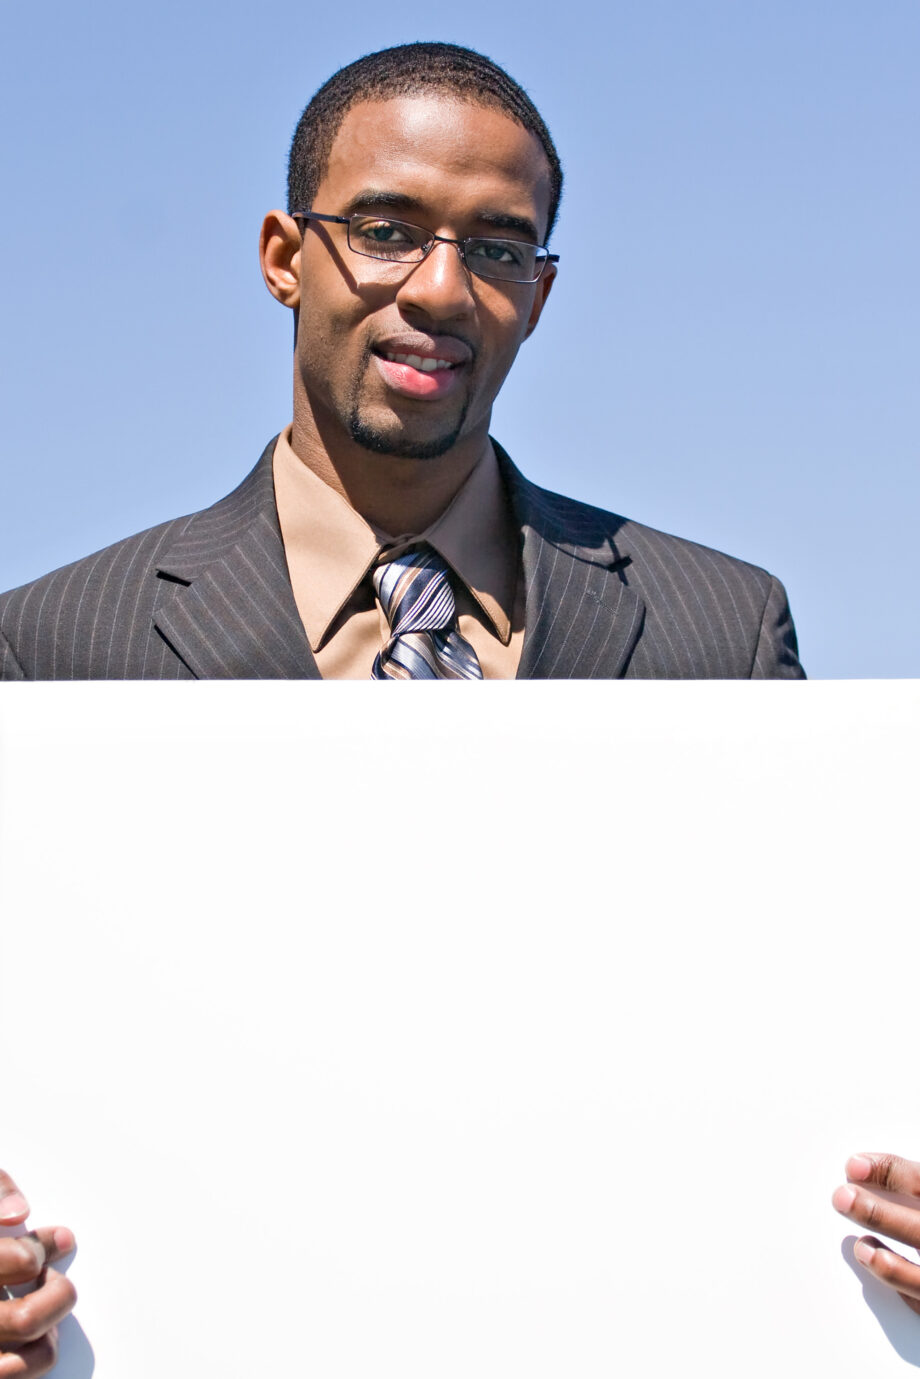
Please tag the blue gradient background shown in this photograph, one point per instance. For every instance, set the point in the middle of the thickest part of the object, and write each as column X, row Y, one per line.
column 730, row 352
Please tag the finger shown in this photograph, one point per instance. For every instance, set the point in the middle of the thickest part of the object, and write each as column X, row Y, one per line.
column 27, row 1319
column 890, row 1268
column 32, row 1360
column 13, row 1206
column 23, row 1257
column 885, row 1171
column 888, row 1218
column 56, row 1241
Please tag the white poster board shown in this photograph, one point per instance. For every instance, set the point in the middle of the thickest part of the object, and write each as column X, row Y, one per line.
column 453, row 1031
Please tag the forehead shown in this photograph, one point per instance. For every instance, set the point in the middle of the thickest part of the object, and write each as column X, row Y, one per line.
column 452, row 157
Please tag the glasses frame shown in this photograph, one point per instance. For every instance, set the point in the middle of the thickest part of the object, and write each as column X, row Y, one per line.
column 433, row 239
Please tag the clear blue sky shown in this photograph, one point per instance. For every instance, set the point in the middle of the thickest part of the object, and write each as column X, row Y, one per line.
column 730, row 352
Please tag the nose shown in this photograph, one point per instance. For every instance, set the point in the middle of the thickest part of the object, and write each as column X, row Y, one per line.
column 440, row 286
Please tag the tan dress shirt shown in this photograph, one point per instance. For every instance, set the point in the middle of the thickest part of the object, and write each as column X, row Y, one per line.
column 331, row 552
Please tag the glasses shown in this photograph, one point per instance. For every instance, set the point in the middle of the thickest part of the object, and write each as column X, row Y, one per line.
column 395, row 241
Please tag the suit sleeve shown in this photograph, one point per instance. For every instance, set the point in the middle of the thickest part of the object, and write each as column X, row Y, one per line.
column 10, row 669
column 777, row 655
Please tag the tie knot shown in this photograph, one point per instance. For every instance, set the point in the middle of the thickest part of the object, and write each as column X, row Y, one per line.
column 418, row 602
column 414, row 592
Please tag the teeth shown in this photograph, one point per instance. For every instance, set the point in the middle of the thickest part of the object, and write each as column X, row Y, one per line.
column 416, row 361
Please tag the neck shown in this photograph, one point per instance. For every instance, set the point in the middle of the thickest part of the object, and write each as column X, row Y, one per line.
column 396, row 494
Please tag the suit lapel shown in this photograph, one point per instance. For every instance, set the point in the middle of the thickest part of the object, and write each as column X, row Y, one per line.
column 234, row 616
column 581, row 618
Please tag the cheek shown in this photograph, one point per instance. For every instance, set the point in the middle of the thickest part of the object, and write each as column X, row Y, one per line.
column 505, row 330
column 335, row 328
column 334, row 293
column 325, row 335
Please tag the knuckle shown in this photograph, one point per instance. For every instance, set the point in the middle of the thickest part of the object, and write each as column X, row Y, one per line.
column 886, row 1166
column 24, row 1258
column 21, row 1321
column 886, row 1266
column 872, row 1211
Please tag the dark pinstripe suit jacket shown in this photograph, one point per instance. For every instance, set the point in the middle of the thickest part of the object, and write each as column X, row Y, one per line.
column 208, row 597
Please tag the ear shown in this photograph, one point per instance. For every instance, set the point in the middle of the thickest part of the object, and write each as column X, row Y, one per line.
column 280, row 244
column 539, row 298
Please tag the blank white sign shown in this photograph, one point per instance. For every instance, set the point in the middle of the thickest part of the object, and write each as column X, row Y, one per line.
column 450, row 1031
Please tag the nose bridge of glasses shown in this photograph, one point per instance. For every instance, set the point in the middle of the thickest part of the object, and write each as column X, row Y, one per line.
column 434, row 240
column 458, row 244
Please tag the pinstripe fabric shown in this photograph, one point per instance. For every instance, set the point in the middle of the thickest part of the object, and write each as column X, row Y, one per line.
column 608, row 598
column 208, row 597
column 202, row 597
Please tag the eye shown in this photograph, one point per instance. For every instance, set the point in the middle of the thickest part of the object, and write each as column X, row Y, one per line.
column 383, row 232
column 508, row 252
column 387, row 239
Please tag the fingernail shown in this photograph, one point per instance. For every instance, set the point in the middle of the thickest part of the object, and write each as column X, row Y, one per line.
column 859, row 1168
column 13, row 1208
column 63, row 1239
column 844, row 1198
column 863, row 1252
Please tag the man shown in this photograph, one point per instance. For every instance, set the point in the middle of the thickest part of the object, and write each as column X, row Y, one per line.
column 384, row 534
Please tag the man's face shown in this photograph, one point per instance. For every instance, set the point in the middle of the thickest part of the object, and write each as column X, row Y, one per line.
column 456, row 169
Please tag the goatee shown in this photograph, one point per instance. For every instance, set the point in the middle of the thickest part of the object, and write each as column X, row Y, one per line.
column 385, row 443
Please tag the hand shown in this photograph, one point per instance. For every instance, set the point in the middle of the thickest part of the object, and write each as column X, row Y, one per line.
column 28, row 1325
column 863, row 1204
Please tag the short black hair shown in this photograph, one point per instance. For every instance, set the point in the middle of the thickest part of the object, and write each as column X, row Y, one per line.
column 405, row 71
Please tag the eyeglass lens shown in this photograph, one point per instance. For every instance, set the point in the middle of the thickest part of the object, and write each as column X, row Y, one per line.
column 394, row 241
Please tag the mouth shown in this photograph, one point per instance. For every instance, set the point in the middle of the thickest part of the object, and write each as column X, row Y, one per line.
column 424, row 363
column 429, row 371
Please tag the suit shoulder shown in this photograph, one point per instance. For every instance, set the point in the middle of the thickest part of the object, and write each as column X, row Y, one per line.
column 109, row 569
column 705, row 614
column 106, row 568
column 654, row 545
column 638, row 544
column 98, row 618
column 92, row 619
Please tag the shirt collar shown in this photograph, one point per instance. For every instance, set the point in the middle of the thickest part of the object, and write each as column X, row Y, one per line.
column 330, row 547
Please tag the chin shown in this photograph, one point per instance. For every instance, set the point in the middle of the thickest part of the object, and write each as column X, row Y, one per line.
column 385, row 442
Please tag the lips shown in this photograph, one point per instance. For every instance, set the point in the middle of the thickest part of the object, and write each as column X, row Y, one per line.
column 421, row 368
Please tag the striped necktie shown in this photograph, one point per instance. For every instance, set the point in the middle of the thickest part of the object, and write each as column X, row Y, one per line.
column 425, row 642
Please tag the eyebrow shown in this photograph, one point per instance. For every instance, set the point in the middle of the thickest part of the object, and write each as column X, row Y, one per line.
column 373, row 197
